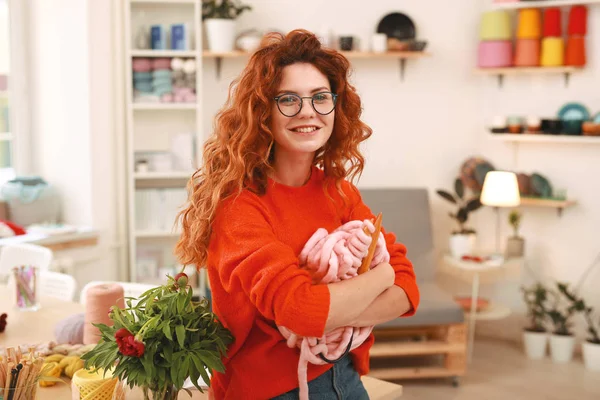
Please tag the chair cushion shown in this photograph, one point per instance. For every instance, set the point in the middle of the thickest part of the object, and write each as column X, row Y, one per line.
column 437, row 308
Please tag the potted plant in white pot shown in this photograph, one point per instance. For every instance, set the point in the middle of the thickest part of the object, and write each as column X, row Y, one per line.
column 591, row 347
column 562, row 339
column 515, row 245
column 535, row 336
column 462, row 241
column 219, row 19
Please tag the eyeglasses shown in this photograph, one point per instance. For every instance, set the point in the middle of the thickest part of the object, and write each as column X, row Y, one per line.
column 290, row 105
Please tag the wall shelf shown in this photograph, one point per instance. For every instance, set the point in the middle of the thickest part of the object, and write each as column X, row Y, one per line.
column 164, row 53
column 502, row 72
column 156, row 234
column 540, row 4
column 6, row 137
column 402, row 56
column 162, row 175
column 164, row 106
column 542, row 138
column 548, row 203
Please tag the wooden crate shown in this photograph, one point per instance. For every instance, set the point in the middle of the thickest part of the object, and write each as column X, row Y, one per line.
column 419, row 352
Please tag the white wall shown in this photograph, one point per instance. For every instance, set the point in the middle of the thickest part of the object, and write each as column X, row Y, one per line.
column 426, row 126
column 4, row 40
column 73, row 126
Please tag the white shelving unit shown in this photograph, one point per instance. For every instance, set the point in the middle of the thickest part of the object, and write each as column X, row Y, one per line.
column 150, row 126
column 535, row 138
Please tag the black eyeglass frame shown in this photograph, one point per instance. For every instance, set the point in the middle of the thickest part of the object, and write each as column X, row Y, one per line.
column 312, row 102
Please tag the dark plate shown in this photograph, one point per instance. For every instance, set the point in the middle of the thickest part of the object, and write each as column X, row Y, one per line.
column 397, row 25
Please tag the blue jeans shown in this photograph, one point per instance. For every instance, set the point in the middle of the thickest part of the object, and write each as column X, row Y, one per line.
column 341, row 382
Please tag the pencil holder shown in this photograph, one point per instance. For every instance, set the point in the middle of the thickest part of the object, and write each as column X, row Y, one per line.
column 25, row 288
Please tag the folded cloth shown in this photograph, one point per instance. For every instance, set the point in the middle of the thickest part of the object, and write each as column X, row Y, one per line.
column 161, row 63
column 162, row 73
column 142, row 76
column 162, row 81
column 141, row 65
column 143, row 87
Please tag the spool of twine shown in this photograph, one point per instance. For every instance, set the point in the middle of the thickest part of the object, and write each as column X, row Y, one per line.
column 87, row 385
column 99, row 299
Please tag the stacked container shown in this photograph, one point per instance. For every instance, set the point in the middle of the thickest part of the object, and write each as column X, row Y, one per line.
column 529, row 33
column 553, row 44
column 495, row 47
column 576, row 31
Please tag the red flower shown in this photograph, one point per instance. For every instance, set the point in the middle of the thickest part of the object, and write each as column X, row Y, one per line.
column 127, row 344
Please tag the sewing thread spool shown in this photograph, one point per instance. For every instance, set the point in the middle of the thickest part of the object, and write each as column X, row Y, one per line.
column 99, row 299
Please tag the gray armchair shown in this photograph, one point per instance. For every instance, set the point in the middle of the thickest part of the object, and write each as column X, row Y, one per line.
column 439, row 321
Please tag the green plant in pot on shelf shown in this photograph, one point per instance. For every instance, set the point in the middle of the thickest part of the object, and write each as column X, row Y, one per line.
column 562, row 340
column 462, row 241
column 515, row 245
column 219, row 19
column 535, row 335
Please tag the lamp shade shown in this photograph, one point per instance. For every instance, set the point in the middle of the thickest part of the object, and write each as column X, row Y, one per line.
column 500, row 189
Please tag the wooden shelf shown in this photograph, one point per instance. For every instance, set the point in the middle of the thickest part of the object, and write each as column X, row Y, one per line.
column 402, row 56
column 163, row 175
column 501, row 72
column 542, row 138
column 529, row 201
column 541, row 4
column 163, row 53
column 163, row 106
column 6, row 137
column 411, row 348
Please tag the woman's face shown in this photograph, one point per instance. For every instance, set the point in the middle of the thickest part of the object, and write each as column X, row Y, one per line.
column 308, row 130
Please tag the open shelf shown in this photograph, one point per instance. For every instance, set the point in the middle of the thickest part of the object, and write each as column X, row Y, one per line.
column 492, row 312
column 162, row 175
column 6, row 136
column 541, row 4
column 165, row 1
column 164, row 53
column 501, row 72
column 543, row 138
column 163, row 106
column 550, row 203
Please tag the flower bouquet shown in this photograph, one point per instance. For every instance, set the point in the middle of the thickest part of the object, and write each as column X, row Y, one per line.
column 160, row 341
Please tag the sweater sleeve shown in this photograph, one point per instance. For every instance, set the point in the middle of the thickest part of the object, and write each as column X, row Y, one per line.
column 249, row 257
column 405, row 274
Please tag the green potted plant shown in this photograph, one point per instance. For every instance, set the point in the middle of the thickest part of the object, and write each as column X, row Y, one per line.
column 535, row 335
column 591, row 346
column 515, row 245
column 462, row 241
column 219, row 19
column 562, row 339
column 160, row 341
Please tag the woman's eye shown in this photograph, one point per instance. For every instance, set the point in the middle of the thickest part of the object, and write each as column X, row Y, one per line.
column 321, row 97
column 288, row 100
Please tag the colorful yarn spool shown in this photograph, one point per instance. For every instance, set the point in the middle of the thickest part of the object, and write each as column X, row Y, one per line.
column 99, row 299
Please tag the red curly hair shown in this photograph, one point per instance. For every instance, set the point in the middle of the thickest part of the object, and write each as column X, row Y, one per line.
column 239, row 154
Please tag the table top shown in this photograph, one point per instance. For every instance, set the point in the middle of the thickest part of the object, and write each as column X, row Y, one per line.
column 33, row 327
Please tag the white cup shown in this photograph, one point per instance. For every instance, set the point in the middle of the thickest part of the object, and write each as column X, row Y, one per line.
column 379, row 43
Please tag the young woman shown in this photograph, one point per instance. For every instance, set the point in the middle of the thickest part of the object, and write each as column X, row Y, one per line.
column 274, row 172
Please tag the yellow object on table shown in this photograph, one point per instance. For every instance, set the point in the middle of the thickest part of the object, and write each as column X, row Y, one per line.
column 87, row 385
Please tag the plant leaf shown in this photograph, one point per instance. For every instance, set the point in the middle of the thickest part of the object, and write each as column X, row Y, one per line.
column 446, row 196
column 180, row 332
column 473, row 205
column 459, row 188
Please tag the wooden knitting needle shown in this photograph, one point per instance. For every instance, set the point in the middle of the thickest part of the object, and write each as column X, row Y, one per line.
column 375, row 237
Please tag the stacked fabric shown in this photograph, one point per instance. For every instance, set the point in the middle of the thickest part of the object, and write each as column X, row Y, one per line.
column 152, row 80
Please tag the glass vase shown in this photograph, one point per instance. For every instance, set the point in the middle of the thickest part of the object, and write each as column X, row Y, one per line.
column 168, row 393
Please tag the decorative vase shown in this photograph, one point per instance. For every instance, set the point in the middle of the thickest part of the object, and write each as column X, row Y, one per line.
column 168, row 393
column 462, row 244
column 515, row 247
column 535, row 344
column 221, row 34
column 562, row 347
column 591, row 355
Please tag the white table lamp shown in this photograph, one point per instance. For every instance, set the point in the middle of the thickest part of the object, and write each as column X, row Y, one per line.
column 500, row 189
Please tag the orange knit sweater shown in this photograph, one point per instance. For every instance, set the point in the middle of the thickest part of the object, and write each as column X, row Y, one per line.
column 257, row 284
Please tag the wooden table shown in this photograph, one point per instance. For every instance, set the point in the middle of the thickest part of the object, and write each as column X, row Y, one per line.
column 38, row 326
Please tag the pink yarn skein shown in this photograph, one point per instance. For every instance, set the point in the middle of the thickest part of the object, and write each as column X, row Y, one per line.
column 332, row 257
